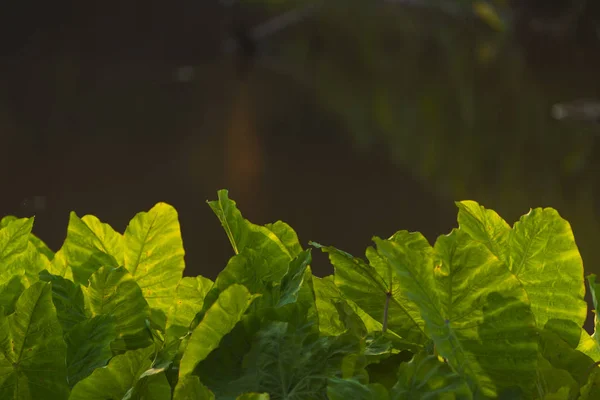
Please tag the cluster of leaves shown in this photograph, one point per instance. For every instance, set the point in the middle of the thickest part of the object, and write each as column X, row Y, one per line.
column 489, row 311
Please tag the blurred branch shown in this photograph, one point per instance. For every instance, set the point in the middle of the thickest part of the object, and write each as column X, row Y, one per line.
column 254, row 35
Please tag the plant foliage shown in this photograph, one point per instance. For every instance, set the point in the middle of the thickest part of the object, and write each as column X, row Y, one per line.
column 489, row 311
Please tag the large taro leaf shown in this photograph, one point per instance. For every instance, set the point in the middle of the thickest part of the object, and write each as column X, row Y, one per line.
column 344, row 389
column 90, row 244
column 10, row 292
column 226, row 363
column 189, row 387
column 291, row 283
column 59, row 265
column 540, row 251
column 591, row 390
column 595, row 291
column 376, row 290
column 37, row 242
column 68, row 300
column 325, row 294
column 560, row 366
column 154, row 254
column 288, row 364
column 125, row 373
column 299, row 309
column 88, row 346
column 189, row 299
column 18, row 255
column 152, row 384
column 475, row 311
column 267, row 256
column 32, row 359
column 112, row 291
column 253, row 396
column 330, row 305
column 218, row 321
column 426, row 377
column 287, row 236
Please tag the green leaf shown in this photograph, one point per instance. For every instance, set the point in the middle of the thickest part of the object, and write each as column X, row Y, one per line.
column 267, row 257
column 112, row 291
column 591, row 390
column 293, row 279
column 595, row 291
column 10, row 292
column 219, row 320
column 68, row 299
column 254, row 396
column 426, row 377
column 538, row 246
column 117, row 379
column 291, row 364
column 302, row 311
column 189, row 387
column 154, row 254
column 226, row 364
column 475, row 310
column 189, row 299
column 18, row 256
column 37, row 242
column 151, row 385
column 235, row 226
column 564, row 356
column 326, row 293
column 376, row 290
column 32, row 363
column 41, row 247
column 344, row 389
column 485, row 226
column 88, row 346
column 90, row 244
column 59, row 265
column 14, row 238
column 287, row 236
column 588, row 346
column 555, row 383
column 7, row 219
column 332, row 309
column 385, row 369
column 542, row 243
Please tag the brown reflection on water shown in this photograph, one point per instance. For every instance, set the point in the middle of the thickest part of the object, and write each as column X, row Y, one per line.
column 243, row 161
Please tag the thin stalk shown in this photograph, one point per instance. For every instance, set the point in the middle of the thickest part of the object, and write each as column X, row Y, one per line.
column 388, row 295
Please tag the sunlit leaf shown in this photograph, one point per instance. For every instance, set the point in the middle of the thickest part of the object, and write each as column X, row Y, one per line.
column 90, row 244
column 117, row 379
column 18, row 255
column 189, row 299
column 344, row 389
column 376, row 290
column 154, row 254
column 219, row 320
column 469, row 300
column 425, row 376
column 535, row 249
column 112, row 291
column 32, row 363
column 189, row 387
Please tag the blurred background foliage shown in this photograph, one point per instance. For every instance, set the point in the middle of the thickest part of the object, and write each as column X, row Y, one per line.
column 460, row 92
column 365, row 116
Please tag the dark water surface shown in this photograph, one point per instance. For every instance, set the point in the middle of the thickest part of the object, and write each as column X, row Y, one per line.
column 344, row 128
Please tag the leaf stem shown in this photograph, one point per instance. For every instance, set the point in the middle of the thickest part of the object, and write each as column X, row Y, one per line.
column 388, row 295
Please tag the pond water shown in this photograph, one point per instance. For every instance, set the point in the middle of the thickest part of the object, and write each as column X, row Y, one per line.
column 345, row 128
